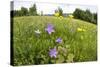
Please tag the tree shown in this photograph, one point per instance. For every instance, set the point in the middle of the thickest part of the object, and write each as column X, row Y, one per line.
column 78, row 13
column 17, row 13
column 24, row 11
column 88, row 16
column 32, row 10
column 41, row 13
column 95, row 17
column 60, row 11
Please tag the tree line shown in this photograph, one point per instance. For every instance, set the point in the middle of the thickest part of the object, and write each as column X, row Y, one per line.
column 25, row 12
column 78, row 13
column 85, row 15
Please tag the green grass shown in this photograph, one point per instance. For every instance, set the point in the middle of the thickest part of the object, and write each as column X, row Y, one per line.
column 30, row 49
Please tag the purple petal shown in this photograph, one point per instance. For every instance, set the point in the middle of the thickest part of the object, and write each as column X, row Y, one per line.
column 54, row 56
column 53, row 53
column 59, row 40
column 50, row 26
column 49, row 29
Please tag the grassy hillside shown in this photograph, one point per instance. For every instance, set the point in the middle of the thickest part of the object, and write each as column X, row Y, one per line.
column 79, row 40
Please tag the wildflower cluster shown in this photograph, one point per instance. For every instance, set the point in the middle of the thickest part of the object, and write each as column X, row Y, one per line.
column 58, row 50
column 80, row 30
column 57, row 14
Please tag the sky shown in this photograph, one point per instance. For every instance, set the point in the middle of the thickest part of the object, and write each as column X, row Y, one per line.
column 50, row 7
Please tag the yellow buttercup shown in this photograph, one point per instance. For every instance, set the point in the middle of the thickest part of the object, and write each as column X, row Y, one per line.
column 80, row 29
column 56, row 14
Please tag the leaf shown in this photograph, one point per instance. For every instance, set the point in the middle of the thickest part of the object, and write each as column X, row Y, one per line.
column 62, row 50
column 70, row 57
column 60, row 59
column 42, row 62
column 59, row 48
column 82, row 37
column 67, row 46
column 53, row 60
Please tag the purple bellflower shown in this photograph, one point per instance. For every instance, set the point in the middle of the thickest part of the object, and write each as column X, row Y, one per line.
column 59, row 40
column 53, row 53
column 50, row 29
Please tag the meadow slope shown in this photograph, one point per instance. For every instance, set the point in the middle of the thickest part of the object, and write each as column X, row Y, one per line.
column 30, row 48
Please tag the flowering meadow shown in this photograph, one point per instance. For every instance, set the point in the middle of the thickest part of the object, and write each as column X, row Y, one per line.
column 52, row 40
